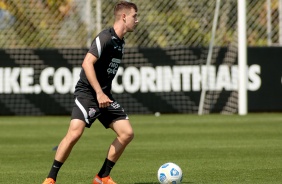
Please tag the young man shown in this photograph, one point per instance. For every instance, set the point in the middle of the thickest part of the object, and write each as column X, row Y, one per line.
column 93, row 99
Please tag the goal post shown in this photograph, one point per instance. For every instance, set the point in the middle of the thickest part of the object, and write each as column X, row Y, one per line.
column 242, row 59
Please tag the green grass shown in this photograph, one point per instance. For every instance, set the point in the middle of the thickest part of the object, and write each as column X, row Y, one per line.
column 210, row 149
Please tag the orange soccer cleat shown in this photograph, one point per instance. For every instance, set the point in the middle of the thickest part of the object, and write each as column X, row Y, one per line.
column 105, row 180
column 49, row 181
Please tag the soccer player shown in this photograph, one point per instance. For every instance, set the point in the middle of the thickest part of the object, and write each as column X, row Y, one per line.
column 93, row 98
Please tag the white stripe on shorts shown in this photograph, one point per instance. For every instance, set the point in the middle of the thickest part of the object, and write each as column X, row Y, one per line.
column 84, row 112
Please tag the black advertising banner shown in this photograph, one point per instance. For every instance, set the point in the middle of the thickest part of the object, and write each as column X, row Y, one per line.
column 170, row 80
column 268, row 97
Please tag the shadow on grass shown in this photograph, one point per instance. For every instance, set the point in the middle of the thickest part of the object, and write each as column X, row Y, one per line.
column 157, row 183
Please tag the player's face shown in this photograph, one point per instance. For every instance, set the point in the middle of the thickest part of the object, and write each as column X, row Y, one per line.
column 131, row 20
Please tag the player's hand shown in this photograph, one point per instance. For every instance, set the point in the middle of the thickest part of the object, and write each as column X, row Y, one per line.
column 103, row 100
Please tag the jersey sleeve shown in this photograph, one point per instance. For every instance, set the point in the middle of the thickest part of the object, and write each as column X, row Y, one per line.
column 98, row 45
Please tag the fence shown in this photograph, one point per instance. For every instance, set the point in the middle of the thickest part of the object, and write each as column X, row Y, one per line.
column 180, row 30
column 73, row 23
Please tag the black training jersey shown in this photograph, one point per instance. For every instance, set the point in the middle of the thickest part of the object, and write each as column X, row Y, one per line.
column 108, row 48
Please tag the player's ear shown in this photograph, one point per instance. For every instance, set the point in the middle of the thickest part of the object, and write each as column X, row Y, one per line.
column 123, row 17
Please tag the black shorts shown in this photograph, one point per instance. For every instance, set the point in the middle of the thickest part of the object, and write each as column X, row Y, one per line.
column 87, row 110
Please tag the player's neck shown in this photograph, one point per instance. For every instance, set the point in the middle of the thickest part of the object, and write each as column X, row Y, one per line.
column 120, row 30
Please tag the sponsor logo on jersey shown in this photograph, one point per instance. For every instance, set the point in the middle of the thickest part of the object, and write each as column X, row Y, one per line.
column 115, row 105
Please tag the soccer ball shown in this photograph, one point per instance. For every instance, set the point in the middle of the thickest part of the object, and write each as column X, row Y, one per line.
column 170, row 173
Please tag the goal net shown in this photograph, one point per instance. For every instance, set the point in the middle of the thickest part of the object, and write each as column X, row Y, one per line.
column 164, row 69
column 220, row 89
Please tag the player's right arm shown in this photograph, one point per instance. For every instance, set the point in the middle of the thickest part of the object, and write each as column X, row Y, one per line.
column 88, row 67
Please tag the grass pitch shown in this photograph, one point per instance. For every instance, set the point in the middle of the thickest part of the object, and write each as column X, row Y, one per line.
column 210, row 149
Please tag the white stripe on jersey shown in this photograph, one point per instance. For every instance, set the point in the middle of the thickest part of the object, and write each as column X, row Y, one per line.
column 82, row 110
column 98, row 43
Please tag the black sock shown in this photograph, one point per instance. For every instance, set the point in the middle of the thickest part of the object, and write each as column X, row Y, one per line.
column 106, row 168
column 55, row 169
